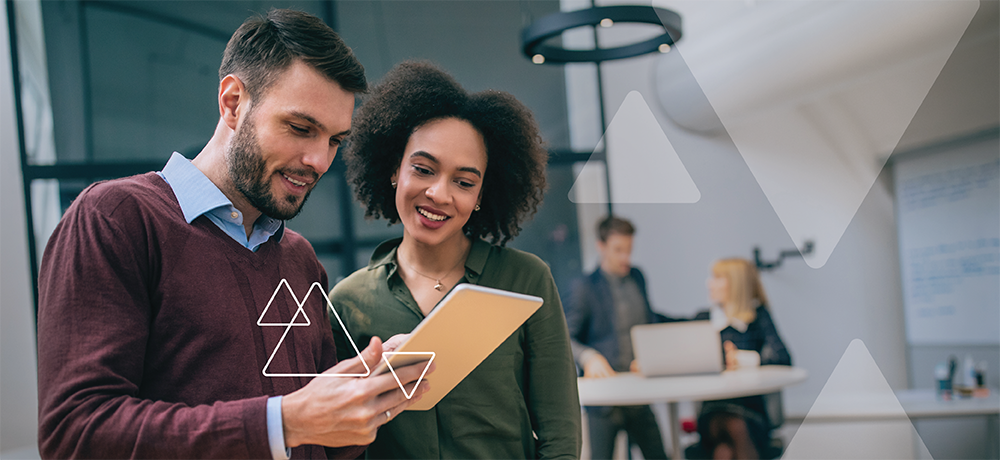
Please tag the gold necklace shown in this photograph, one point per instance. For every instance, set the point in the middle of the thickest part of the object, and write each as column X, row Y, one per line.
column 438, row 286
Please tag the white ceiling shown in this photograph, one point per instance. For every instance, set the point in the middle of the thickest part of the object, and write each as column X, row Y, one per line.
column 750, row 57
column 816, row 95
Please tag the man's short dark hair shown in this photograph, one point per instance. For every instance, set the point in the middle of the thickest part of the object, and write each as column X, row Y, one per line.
column 614, row 224
column 265, row 46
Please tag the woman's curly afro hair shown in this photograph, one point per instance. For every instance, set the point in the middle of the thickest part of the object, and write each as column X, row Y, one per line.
column 414, row 93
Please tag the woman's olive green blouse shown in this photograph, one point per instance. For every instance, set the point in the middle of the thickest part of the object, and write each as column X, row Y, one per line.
column 521, row 402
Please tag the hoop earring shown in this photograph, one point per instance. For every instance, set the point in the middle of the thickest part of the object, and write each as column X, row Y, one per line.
column 393, row 184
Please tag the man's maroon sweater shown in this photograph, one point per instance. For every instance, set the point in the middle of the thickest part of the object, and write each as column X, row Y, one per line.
column 148, row 343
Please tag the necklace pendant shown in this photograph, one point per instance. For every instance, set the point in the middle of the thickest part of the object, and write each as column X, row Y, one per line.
column 438, row 286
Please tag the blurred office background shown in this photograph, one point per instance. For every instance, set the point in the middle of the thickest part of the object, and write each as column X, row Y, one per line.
column 94, row 90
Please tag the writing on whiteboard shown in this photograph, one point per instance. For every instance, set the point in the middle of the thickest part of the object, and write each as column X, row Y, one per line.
column 940, row 269
column 946, row 186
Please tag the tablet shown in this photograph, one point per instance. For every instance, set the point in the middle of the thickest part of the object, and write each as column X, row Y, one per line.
column 461, row 331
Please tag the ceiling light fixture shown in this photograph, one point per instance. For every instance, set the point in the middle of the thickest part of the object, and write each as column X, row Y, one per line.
column 534, row 36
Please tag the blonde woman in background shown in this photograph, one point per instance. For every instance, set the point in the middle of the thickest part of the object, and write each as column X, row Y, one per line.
column 740, row 427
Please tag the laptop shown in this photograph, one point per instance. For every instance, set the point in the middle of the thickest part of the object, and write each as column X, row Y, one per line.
column 679, row 348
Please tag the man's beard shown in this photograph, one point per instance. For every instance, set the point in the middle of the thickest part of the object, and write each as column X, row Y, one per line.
column 247, row 170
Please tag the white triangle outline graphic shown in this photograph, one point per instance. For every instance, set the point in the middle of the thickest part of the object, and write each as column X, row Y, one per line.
column 857, row 377
column 288, row 327
column 284, row 282
column 387, row 354
column 644, row 155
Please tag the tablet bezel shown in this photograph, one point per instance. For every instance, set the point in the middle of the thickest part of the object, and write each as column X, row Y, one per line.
column 511, row 310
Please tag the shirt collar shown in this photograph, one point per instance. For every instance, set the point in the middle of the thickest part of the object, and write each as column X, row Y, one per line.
column 197, row 194
column 271, row 226
column 611, row 277
column 385, row 254
column 720, row 320
column 478, row 254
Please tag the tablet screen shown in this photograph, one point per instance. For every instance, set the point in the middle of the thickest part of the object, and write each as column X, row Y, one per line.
column 464, row 328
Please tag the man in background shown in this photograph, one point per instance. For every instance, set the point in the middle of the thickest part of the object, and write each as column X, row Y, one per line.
column 152, row 286
column 601, row 309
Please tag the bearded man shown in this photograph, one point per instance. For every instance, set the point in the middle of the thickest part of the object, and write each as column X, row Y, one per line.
column 153, row 288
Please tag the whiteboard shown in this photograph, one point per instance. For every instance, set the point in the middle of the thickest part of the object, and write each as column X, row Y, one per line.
column 948, row 218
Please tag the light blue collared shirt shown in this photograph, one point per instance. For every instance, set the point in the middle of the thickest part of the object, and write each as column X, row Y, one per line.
column 198, row 195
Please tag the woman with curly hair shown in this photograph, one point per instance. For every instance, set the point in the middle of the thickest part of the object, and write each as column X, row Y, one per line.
column 461, row 172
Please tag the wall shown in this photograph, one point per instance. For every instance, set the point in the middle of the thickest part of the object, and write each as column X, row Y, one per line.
column 18, row 398
column 857, row 293
column 818, row 311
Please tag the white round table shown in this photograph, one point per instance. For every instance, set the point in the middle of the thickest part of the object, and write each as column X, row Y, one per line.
column 628, row 389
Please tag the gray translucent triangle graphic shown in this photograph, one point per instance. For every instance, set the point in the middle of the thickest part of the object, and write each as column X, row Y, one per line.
column 836, row 98
column 856, row 416
column 644, row 167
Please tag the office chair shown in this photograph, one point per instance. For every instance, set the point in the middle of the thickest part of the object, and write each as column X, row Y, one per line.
column 775, row 412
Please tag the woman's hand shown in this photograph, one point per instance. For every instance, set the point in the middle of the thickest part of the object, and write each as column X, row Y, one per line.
column 729, row 350
column 394, row 342
column 736, row 358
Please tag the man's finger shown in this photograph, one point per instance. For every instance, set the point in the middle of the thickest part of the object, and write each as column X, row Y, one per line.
column 412, row 372
column 386, row 383
column 371, row 355
column 406, row 403
column 396, row 402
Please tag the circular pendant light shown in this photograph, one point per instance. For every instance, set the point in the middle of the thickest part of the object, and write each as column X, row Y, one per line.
column 534, row 36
